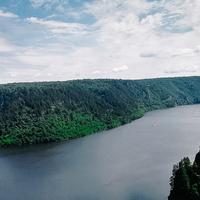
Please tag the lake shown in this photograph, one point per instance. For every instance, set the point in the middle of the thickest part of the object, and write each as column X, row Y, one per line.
column 132, row 162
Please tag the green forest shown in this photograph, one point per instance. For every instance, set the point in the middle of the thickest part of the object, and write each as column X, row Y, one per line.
column 185, row 180
column 44, row 112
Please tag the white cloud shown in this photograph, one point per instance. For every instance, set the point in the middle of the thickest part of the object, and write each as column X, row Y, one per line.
column 5, row 46
column 186, row 52
column 39, row 3
column 50, row 4
column 106, row 8
column 57, row 26
column 7, row 14
column 96, row 72
column 141, row 39
column 148, row 55
column 120, row 69
column 190, row 69
column 188, row 9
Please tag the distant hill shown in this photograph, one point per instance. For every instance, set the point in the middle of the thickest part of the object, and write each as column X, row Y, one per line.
column 55, row 111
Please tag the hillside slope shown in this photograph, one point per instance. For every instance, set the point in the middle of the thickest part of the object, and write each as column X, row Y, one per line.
column 54, row 111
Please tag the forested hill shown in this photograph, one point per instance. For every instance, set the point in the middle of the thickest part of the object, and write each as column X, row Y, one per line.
column 54, row 111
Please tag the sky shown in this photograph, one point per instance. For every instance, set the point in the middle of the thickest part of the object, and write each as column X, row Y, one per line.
column 55, row 40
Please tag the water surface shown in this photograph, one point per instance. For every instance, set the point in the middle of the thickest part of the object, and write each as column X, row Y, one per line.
column 132, row 162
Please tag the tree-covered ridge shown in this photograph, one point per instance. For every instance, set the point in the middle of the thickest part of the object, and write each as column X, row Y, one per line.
column 54, row 111
column 185, row 180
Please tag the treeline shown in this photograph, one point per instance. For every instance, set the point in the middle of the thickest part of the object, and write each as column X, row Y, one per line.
column 54, row 111
column 185, row 181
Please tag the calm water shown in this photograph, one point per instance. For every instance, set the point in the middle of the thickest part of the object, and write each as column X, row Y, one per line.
column 132, row 162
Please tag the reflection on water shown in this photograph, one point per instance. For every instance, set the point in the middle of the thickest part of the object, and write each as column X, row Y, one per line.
column 132, row 162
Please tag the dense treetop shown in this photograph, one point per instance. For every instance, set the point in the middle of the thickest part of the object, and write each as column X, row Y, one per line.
column 53, row 111
column 185, row 180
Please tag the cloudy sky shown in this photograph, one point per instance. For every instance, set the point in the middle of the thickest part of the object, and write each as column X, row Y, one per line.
column 45, row 40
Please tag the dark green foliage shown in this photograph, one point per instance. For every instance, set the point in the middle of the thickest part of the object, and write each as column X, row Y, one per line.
column 185, row 180
column 54, row 111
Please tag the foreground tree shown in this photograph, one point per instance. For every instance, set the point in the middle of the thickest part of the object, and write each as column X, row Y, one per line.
column 185, row 180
